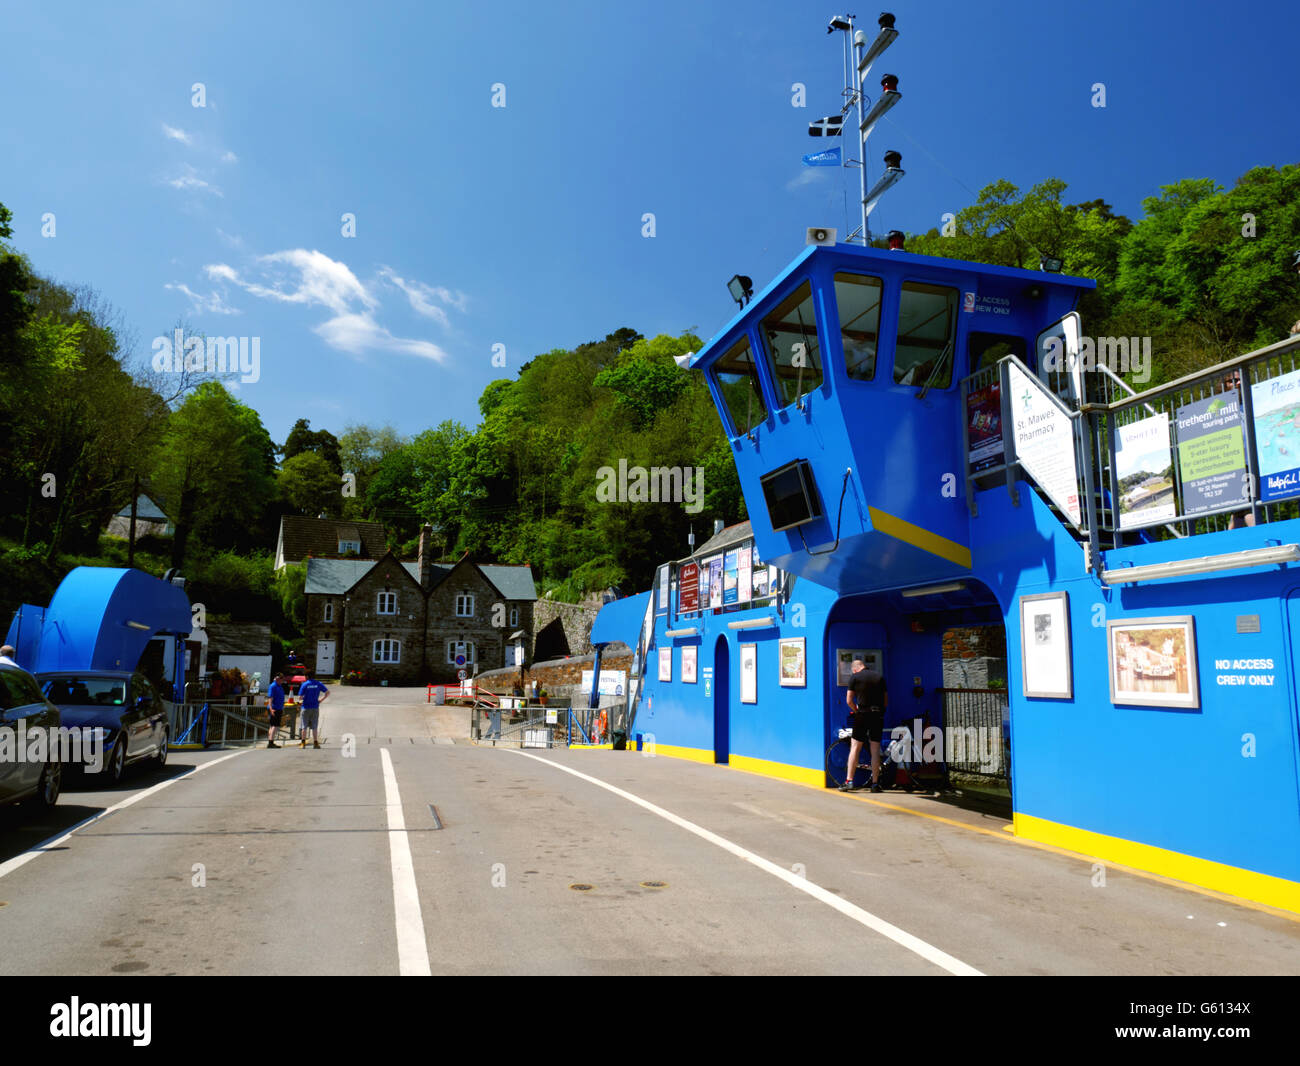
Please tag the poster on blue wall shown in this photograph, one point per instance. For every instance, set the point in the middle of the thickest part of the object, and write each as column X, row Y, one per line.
column 730, row 577
column 744, row 575
column 1212, row 453
column 705, row 573
column 715, row 582
column 1277, row 435
column 1144, row 472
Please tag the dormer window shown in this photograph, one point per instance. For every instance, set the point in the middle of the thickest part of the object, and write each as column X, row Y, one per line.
column 349, row 547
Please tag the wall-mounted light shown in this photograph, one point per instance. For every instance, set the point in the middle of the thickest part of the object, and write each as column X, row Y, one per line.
column 752, row 623
column 140, row 626
column 935, row 590
column 1205, row 564
column 1051, row 264
column 741, row 288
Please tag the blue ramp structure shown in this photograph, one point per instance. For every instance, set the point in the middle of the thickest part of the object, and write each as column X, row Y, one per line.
column 929, row 443
column 101, row 618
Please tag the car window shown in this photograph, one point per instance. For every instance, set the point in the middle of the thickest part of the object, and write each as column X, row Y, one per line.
column 86, row 691
column 21, row 689
column 141, row 687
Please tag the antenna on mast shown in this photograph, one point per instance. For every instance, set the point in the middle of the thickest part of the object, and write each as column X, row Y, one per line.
column 863, row 56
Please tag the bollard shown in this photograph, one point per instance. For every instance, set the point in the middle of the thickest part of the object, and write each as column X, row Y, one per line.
column 428, row 698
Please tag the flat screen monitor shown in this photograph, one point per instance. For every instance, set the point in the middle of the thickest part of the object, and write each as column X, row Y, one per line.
column 791, row 495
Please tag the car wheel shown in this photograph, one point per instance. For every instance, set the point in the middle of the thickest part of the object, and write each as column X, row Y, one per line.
column 47, row 789
column 161, row 760
column 117, row 763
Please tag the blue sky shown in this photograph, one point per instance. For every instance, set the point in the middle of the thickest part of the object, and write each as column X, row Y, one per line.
column 522, row 225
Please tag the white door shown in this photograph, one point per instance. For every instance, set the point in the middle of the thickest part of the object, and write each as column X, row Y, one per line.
column 325, row 657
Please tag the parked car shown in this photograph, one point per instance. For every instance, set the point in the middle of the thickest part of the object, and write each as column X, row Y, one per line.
column 122, row 705
column 23, row 708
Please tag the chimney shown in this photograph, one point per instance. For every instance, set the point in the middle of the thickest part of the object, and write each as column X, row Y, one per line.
column 425, row 557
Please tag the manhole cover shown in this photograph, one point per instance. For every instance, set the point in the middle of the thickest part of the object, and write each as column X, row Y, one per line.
column 582, row 888
column 654, row 884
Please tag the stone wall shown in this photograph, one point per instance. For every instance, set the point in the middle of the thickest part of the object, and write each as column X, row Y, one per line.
column 562, row 629
column 973, row 656
column 558, row 677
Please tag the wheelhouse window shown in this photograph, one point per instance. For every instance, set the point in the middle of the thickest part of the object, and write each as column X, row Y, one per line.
column 387, row 651
column 736, row 375
column 386, row 603
column 857, row 299
column 927, row 329
column 464, row 605
column 987, row 348
column 791, row 336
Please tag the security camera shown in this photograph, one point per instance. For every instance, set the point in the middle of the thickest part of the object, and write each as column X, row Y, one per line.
column 821, row 236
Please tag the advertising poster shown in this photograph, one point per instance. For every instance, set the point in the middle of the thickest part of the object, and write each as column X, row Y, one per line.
column 690, row 662
column 729, row 577
column 1212, row 453
column 1153, row 662
column 715, row 582
column 793, row 665
column 612, row 682
column 1277, row 435
column 1144, row 472
column 1045, row 646
column 749, row 673
column 984, row 427
column 704, row 583
column 665, row 664
column 760, row 582
column 744, row 575
column 1044, row 439
column 663, row 588
column 872, row 659
column 688, row 588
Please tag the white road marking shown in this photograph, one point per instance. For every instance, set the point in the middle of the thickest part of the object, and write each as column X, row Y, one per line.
column 48, row 845
column 899, row 936
column 412, row 947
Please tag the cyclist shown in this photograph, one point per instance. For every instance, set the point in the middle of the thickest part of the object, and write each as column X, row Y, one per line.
column 867, row 699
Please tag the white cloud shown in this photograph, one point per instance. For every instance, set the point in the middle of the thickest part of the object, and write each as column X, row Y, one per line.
column 230, row 157
column 213, row 303
column 807, row 176
column 189, row 180
column 176, row 135
column 313, row 279
column 421, row 296
column 230, row 239
column 360, row 333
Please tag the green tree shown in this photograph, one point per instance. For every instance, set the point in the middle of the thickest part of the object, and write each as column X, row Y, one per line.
column 309, row 485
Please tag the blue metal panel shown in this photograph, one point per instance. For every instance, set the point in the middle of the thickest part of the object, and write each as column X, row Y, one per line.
column 620, row 620
column 86, row 625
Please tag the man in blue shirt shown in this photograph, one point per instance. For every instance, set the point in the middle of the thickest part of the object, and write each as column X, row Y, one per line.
column 310, row 694
column 275, row 707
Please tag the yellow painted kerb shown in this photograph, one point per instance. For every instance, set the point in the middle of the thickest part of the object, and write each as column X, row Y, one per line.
column 901, row 529
column 799, row 774
column 674, row 752
column 1233, row 880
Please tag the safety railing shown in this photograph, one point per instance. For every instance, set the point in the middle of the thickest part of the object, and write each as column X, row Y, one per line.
column 228, row 722
column 1216, row 449
column 976, row 736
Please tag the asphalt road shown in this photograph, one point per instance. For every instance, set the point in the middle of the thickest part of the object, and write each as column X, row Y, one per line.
column 304, row 862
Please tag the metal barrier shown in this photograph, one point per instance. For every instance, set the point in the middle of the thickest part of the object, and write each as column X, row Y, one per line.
column 555, row 725
column 229, row 722
column 975, row 735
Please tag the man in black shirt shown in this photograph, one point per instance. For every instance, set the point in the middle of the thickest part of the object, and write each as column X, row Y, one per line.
column 867, row 700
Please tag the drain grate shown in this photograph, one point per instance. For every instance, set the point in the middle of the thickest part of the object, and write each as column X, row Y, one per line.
column 654, row 884
column 582, row 888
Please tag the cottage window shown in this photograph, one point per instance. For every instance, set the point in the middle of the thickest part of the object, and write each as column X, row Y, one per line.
column 349, row 546
column 386, row 603
column 464, row 605
column 514, row 616
column 328, row 614
column 387, row 651
column 451, row 652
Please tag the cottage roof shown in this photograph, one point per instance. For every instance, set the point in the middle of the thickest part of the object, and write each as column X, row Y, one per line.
column 319, row 537
column 333, row 577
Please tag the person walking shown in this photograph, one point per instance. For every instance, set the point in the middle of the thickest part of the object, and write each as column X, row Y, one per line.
column 274, row 708
column 310, row 695
column 867, row 699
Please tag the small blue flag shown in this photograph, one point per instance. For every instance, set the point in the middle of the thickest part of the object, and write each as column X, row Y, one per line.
column 828, row 158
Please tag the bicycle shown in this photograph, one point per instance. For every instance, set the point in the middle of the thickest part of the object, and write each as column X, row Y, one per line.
column 893, row 754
